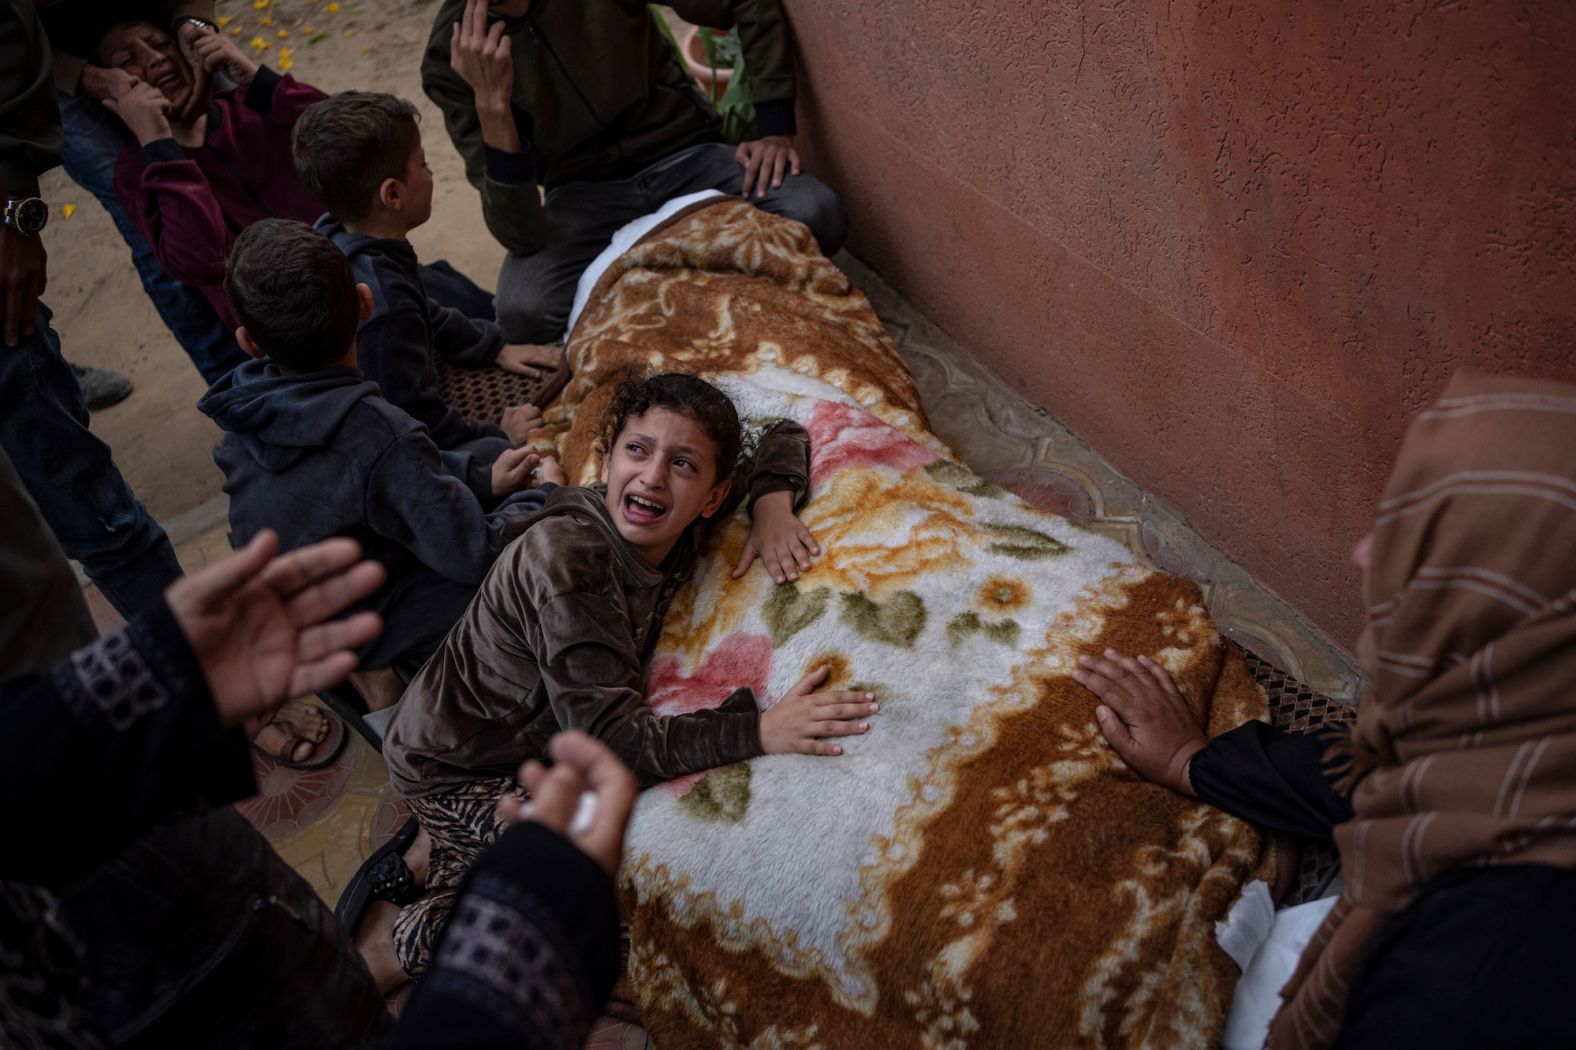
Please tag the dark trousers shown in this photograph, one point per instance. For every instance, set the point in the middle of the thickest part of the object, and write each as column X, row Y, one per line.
column 70, row 475
column 201, row 935
column 536, row 292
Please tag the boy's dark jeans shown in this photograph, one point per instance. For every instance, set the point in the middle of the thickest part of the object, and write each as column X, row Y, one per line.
column 536, row 292
column 70, row 475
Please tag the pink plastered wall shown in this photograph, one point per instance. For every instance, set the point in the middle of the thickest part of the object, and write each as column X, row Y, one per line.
column 1232, row 245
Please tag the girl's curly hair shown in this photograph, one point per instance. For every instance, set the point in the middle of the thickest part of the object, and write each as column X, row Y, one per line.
column 685, row 395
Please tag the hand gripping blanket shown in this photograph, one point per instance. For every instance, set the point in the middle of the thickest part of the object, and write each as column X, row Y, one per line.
column 980, row 869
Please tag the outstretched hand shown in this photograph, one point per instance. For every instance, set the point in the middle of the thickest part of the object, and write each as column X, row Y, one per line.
column 778, row 538
column 798, row 722
column 263, row 628
column 1144, row 717
column 581, row 764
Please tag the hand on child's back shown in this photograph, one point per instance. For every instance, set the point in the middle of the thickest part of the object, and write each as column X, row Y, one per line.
column 512, row 471
column 797, row 722
column 778, row 538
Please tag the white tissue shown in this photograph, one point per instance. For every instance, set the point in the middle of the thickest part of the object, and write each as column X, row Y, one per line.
column 585, row 813
column 1258, row 993
column 1248, row 923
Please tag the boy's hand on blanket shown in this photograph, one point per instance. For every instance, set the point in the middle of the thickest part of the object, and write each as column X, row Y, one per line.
column 581, row 764
column 512, row 471
column 1144, row 717
column 528, row 359
column 765, row 162
column 548, row 471
column 778, row 538
column 263, row 628
column 144, row 109
column 519, row 422
column 797, row 722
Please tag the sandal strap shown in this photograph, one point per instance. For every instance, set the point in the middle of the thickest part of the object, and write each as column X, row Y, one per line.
column 392, row 880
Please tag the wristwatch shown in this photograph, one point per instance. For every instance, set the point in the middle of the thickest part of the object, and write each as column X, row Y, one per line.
column 25, row 215
column 196, row 20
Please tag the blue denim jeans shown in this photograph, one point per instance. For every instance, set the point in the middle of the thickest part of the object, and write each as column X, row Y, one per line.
column 70, row 475
column 94, row 138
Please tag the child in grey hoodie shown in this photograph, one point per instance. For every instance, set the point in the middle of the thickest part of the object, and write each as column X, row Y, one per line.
column 312, row 449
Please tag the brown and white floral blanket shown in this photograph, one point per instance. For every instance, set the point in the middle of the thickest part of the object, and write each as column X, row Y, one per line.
column 980, row 870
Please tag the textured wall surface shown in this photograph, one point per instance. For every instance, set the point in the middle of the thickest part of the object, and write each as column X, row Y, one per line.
column 1232, row 245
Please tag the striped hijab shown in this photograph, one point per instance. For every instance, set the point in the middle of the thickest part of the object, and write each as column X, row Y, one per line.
column 1464, row 749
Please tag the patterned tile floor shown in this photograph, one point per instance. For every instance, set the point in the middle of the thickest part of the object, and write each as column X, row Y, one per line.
column 326, row 822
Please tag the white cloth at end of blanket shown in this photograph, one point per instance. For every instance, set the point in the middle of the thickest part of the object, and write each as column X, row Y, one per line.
column 622, row 241
column 1270, row 967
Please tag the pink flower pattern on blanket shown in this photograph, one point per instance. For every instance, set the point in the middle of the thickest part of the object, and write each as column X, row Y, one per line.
column 742, row 659
column 842, row 435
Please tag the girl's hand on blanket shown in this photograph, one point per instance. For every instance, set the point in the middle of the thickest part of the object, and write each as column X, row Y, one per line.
column 263, row 628
column 144, row 109
column 519, row 422
column 1144, row 717
column 581, row 764
column 765, row 162
column 512, row 471
column 778, row 538
column 797, row 722
column 528, row 359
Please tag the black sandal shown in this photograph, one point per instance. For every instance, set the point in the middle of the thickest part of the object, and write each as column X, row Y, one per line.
column 384, row 876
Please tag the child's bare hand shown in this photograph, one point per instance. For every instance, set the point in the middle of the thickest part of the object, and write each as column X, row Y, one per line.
column 217, row 53
column 528, row 359
column 144, row 109
column 512, row 471
column 778, row 538
column 1144, row 717
column 549, row 471
column 519, row 422
column 796, row 724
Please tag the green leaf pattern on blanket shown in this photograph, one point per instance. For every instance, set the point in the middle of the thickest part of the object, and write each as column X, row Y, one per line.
column 1023, row 543
column 965, row 624
column 721, row 796
column 963, row 479
column 896, row 621
column 788, row 610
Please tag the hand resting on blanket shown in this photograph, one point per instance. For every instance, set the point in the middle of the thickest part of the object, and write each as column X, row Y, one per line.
column 1144, row 717
column 797, row 723
column 778, row 538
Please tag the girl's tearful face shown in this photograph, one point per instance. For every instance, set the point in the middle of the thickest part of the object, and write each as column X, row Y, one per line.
column 661, row 475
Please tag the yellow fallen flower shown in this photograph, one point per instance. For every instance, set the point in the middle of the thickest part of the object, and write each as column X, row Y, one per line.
column 259, row 44
column 68, row 210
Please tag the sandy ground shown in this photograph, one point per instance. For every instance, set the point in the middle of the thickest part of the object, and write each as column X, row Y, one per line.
column 161, row 442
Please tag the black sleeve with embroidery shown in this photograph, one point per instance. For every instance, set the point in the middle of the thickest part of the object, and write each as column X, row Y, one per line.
column 103, row 745
column 529, row 956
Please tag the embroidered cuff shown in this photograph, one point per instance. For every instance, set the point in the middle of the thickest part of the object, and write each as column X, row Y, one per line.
column 774, row 117
column 160, row 150
column 260, row 92
column 511, row 169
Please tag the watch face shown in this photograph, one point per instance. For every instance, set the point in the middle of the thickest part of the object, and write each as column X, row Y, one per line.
column 30, row 215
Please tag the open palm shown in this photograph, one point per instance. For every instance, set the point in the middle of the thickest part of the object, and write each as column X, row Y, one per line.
column 262, row 626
